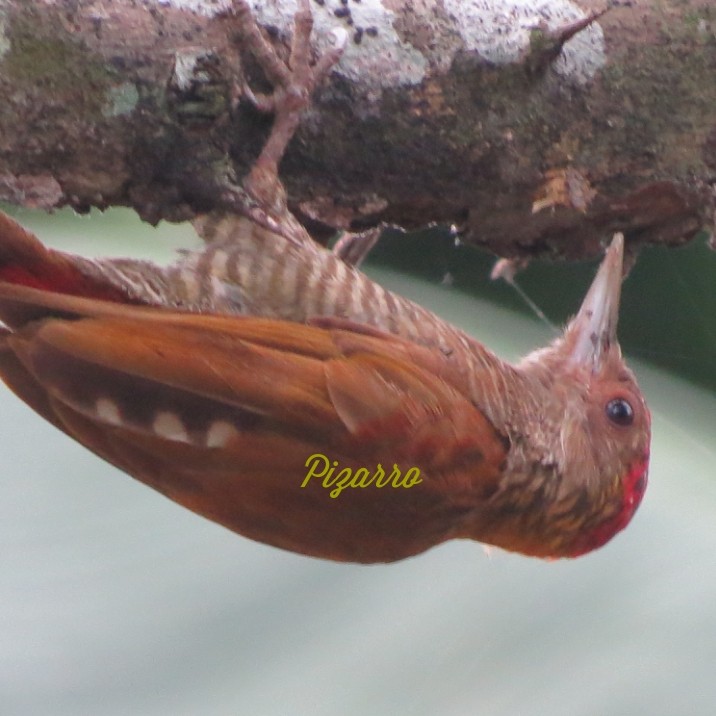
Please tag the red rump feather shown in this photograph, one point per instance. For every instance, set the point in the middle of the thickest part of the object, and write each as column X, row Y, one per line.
column 26, row 262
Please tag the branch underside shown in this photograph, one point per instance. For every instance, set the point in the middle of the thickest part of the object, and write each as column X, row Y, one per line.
column 136, row 106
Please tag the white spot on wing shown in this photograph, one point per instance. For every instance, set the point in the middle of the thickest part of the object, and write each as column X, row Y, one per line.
column 108, row 411
column 219, row 434
column 169, row 426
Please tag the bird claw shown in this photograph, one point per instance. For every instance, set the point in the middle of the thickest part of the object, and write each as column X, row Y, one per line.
column 293, row 84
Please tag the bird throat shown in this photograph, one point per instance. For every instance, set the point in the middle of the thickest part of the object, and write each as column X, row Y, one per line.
column 634, row 487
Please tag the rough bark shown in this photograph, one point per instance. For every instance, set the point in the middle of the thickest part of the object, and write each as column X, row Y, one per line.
column 470, row 112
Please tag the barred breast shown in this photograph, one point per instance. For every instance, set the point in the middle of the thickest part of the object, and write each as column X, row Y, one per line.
column 245, row 269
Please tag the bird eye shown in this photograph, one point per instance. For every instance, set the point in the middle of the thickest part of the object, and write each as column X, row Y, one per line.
column 619, row 411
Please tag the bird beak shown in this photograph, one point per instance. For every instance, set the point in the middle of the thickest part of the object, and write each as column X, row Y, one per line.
column 593, row 331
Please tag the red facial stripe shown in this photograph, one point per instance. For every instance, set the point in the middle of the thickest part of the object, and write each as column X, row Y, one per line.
column 634, row 489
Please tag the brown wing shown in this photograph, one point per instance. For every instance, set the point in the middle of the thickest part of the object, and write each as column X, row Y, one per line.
column 223, row 414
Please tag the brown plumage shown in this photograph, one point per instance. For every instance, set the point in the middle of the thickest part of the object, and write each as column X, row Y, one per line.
column 222, row 412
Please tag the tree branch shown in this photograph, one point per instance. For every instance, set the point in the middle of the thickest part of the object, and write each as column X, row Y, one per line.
column 478, row 114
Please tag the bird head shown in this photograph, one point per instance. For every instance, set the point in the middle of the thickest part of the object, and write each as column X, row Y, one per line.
column 593, row 423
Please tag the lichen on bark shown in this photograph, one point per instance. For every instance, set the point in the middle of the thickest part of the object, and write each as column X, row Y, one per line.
column 459, row 119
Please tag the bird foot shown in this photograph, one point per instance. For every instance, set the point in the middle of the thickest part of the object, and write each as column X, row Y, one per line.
column 293, row 84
